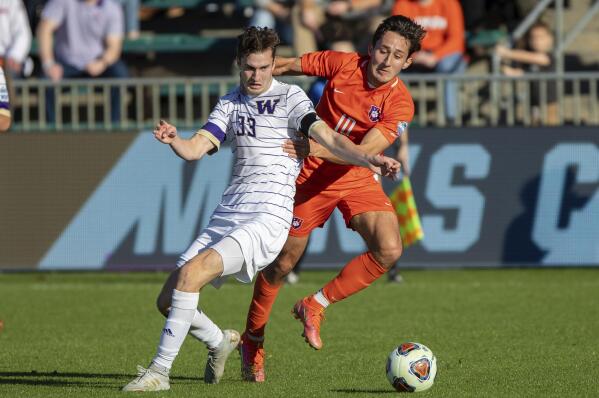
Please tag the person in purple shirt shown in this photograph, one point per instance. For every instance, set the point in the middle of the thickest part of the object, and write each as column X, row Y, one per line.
column 82, row 39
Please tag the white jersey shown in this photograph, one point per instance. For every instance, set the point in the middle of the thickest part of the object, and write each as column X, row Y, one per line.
column 263, row 178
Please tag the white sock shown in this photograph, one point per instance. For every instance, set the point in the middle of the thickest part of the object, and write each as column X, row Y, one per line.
column 183, row 307
column 321, row 299
column 203, row 329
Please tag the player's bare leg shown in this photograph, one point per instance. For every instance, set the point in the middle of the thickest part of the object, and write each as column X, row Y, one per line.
column 268, row 283
column 380, row 231
column 292, row 251
column 381, row 234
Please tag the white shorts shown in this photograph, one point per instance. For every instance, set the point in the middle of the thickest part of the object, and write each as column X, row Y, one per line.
column 259, row 242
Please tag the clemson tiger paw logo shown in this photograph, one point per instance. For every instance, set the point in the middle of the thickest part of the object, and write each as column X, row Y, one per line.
column 421, row 369
column 405, row 348
column 296, row 223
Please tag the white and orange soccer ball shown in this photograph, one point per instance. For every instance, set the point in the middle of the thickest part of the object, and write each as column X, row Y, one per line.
column 411, row 367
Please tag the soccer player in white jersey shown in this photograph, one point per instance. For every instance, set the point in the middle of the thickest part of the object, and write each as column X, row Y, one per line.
column 250, row 225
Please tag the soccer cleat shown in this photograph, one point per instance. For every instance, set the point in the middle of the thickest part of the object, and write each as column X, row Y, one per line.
column 148, row 380
column 217, row 357
column 311, row 318
column 252, row 359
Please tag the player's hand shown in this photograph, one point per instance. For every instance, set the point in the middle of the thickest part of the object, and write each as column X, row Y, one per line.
column 165, row 132
column 385, row 166
column 298, row 148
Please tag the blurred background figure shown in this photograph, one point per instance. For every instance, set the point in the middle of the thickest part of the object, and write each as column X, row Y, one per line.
column 131, row 10
column 341, row 23
column 15, row 42
column 536, row 57
column 15, row 37
column 274, row 14
column 444, row 44
column 82, row 39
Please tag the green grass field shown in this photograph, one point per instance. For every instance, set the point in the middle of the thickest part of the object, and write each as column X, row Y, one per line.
column 495, row 333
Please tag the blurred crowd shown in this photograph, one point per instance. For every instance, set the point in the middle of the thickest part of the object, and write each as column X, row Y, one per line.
column 84, row 38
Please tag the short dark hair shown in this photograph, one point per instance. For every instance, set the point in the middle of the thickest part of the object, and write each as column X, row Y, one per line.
column 539, row 25
column 403, row 26
column 256, row 40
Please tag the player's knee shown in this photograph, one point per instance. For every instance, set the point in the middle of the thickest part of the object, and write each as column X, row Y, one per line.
column 288, row 258
column 388, row 254
column 285, row 264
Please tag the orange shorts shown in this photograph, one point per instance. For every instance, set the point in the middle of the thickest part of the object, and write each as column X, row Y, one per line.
column 313, row 208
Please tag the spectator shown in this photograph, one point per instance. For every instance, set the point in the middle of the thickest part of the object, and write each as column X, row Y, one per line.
column 87, row 44
column 15, row 36
column 443, row 46
column 322, row 23
column 536, row 58
column 131, row 9
column 274, row 14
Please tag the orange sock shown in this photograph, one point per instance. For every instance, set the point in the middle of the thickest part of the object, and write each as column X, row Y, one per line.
column 358, row 274
column 262, row 301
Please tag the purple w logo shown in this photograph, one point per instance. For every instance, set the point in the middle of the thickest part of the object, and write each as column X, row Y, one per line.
column 267, row 105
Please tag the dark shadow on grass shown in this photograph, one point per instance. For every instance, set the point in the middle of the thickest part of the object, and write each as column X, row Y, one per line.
column 56, row 383
column 363, row 391
column 81, row 375
column 65, row 379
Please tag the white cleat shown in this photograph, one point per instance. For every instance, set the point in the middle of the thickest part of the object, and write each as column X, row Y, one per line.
column 217, row 357
column 148, row 380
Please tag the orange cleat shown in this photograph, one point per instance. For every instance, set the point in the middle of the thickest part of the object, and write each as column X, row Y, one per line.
column 311, row 317
column 252, row 359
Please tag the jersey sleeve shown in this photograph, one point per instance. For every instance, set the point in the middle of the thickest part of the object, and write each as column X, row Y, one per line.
column 217, row 124
column 298, row 106
column 396, row 116
column 325, row 63
column 116, row 23
column 55, row 11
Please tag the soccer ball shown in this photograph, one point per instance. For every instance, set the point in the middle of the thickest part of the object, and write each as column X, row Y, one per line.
column 411, row 367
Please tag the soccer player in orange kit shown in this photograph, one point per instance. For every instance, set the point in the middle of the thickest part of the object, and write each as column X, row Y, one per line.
column 365, row 100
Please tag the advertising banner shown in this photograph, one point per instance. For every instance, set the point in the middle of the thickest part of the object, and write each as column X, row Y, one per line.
column 486, row 197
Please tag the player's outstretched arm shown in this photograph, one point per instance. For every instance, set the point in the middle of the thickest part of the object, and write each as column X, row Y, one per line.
column 343, row 148
column 191, row 149
column 373, row 143
column 288, row 66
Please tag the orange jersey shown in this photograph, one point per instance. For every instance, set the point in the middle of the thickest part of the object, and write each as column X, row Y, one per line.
column 443, row 21
column 351, row 107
